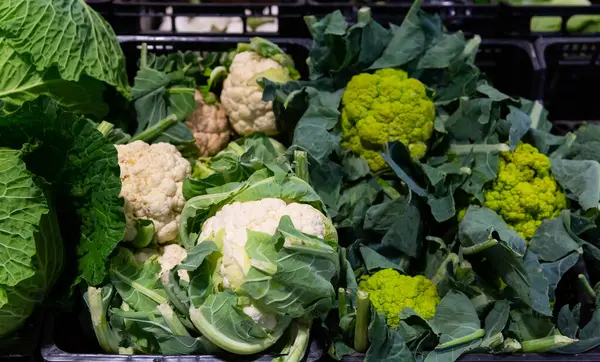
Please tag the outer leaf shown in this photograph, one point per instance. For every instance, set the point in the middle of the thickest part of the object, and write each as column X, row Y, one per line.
column 221, row 321
column 67, row 34
column 552, row 241
column 83, row 171
column 21, row 82
column 22, row 203
column 581, row 179
column 386, row 343
column 138, row 284
column 455, row 317
column 496, row 320
column 519, row 125
column 554, row 271
column 304, row 266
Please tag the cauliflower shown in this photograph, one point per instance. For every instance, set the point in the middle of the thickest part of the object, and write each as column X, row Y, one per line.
column 390, row 292
column 152, row 177
column 242, row 95
column 209, row 127
column 233, row 220
column 525, row 193
column 383, row 107
column 171, row 256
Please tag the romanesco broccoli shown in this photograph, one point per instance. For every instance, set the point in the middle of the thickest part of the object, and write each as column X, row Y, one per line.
column 383, row 107
column 525, row 193
column 390, row 292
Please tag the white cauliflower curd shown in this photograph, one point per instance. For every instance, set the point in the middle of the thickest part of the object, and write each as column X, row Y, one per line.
column 152, row 177
column 233, row 220
column 209, row 126
column 242, row 96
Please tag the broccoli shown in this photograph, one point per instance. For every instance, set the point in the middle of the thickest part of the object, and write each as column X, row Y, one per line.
column 390, row 292
column 525, row 193
column 383, row 107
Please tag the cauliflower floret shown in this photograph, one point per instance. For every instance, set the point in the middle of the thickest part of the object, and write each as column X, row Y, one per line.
column 390, row 292
column 383, row 107
column 209, row 127
column 525, row 193
column 242, row 96
column 171, row 256
column 152, row 177
column 263, row 215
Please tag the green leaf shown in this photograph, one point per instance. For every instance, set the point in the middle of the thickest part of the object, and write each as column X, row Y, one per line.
column 443, row 52
column 588, row 337
column 407, row 43
column 68, row 35
column 221, row 321
column 587, row 143
column 552, row 241
column 374, row 261
column 568, row 321
column 21, row 82
column 554, row 271
column 82, row 170
column 137, row 283
column 480, row 224
column 455, row 317
column 386, row 343
column 581, row 179
column 22, row 203
column 526, row 325
column 519, row 125
column 298, row 281
column 496, row 320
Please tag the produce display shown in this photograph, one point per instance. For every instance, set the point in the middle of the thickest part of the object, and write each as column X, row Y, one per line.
column 225, row 204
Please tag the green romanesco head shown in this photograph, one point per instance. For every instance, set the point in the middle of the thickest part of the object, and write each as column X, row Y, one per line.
column 525, row 193
column 383, row 107
column 390, row 292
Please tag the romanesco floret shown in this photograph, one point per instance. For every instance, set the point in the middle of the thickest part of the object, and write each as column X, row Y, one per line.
column 390, row 292
column 525, row 193
column 383, row 107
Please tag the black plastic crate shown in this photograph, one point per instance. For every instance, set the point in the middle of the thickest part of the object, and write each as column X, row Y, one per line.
column 23, row 345
column 593, row 356
column 570, row 77
column 145, row 17
column 516, row 19
column 511, row 65
column 465, row 15
column 68, row 337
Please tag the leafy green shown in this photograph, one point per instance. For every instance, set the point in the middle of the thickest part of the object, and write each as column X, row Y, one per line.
column 81, row 172
column 62, row 49
column 581, row 180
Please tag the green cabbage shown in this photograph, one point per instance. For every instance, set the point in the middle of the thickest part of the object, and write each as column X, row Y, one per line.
column 59, row 180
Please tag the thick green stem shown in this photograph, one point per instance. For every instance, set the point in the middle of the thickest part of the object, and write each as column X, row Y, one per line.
column 105, row 128
column 172, row 320
column 586, row 286
column 364, row 15
column 493, row 341
column 470, row 250
column 466, row 339
column 361, row 327
column 310, row 22
column 144, row 56
column 477, row 148
column 145, row 233
column 296, row 350
column 152, row 132
column 98, row 300
column 342, row 302
column 510, row 346
column 301, row 166
column 546, row 344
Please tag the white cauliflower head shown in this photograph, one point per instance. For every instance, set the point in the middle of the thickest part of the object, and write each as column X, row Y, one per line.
column 152, row 178
column 170, row 256
column 232, row 221
column 242, row 96
column 209, row 126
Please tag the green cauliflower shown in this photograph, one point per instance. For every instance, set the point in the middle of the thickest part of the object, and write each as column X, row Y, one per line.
column 525, row 193
column 384, row 107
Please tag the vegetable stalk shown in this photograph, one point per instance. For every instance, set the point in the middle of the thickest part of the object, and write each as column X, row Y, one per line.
column 172, row 320
column 151, row 133
column 301, row 165
column 587, row 288
column 470, row 250
column 342, row 302
column 296, row 349
column 98, row 300
column 546, row 344
column 361, row 327
column 466, row 339
column 493, row 341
